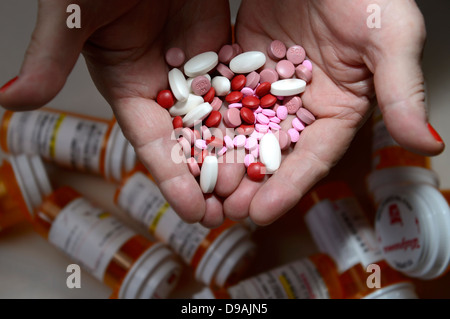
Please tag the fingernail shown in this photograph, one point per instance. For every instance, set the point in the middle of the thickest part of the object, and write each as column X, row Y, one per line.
column 8, row 84
column 435, row 134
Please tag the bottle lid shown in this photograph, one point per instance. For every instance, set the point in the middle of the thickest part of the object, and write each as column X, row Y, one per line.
column 115, row 154
column 378, row 181
column 412, row 226
column 403, row 290
column 205, row 293
column 216, row 256
column 153, row 276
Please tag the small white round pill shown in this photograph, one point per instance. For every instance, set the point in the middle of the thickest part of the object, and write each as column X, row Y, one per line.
column 247, row 62
column 221, row 85
column 201, row 64
column 208, row 174
column 287, row 87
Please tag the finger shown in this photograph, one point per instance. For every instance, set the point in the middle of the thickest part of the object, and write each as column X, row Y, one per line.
column 214, row 212
column 400, row 88
column 231, row 171
column 51, row 54
column 320, row 146
column 148, row 127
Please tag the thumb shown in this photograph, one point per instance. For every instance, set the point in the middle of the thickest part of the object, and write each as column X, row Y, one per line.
column 50, row 57
column 400, row 88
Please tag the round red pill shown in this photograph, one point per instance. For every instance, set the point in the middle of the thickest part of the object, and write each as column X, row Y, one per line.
column 256, row 171
column 208, row 97
column 252, row 102
column 165, row 98
column 263, row 89
column 214, row 119
column 177, row 122
column 214, row 142
column 247, row 115
column 238, row 82
column 245, row 129
column 234, row 97
column 268, row 100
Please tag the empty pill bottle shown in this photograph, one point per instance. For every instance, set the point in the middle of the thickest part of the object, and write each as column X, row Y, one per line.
column 412, row 216
column 218, row 256
column 23, row 184
column 314, row 277
column 74, row 141
column 130, row 264
column 340, row 228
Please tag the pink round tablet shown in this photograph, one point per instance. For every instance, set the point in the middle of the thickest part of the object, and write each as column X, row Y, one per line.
column 262, row 119
column 284, row 139
column 269, row 75
column 257, row 135
column 308, row 64
column 293, row 104
column 251, row 143
column 232, row 118
column 225, row 71
column 226, row 54
column 248, row 159
column 258, row 110
column 222, row 151
column 296, row 54
column 247, row 91
column 239, row 141
column 274, row 126
column 235, row 105
column 194, row 168
column 261, row 128
column 305, row 116
column 282, row 112
column 228, row 142
column 275, row 119
column 185, row 145
column 200, row 85
column 206, row 133
column 255, row 152
column 294, row 134
column 276, row 50
column 285, row 69
column 175, row 57
column 269, row 112
column 237, row 48
column 201, row 144
column 253, row 78
column 188, row 134
column 216, row 103
column 298, row 125
column 303, row 73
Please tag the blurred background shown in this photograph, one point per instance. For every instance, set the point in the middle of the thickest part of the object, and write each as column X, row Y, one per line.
column 31, row 268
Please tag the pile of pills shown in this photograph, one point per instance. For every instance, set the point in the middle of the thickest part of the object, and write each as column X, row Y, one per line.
column 229, row 101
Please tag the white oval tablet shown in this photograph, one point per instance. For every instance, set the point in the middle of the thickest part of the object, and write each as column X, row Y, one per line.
column 198, row 113
column 287, row 87
column 221, row 85
column 182, row 108
column 208, row 174
column 201, row 64
column 178, row 85
column 270, row 152
column 247, row 62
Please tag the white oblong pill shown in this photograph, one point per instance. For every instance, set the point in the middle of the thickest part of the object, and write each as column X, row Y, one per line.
column 201, row 64
column 208, row 174
column 178, row 85
column 182, row 108
column 221, row 85
column 197, row 114
column 287, row 87
column 270, row 152
column 247, row 62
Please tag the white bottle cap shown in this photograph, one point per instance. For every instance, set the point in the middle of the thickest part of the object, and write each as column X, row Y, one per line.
column 115, row 154
column 403, row 290
column 217, row 255
column 205, row 293
column 412, row 225
column 153, row 276
column 378, row 180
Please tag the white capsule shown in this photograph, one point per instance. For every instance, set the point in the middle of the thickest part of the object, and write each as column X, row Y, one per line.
column 181, row 108
column 247, row 62
column 221, row 85
column 208, row 174
column 201, row 64
column 270, row 152
column 197, row 114
column 178, row 84
column 287, row 87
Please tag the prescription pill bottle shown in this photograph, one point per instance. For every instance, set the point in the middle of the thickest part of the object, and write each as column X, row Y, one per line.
column 314, row 277
column 71, row 140
column 341, row 229
column 23, row 184
column 218, row 256
column 130, row 264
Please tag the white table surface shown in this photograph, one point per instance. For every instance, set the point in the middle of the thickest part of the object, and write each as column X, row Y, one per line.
column 32, row 268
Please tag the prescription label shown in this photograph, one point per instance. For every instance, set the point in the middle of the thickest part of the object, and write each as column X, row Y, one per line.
column 67, row 140
column 341, row 230
column 88, row 235
column 296, row 280
column 143, row 200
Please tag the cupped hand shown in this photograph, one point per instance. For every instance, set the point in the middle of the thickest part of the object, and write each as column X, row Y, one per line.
column 352, row 64
column 124, row 43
